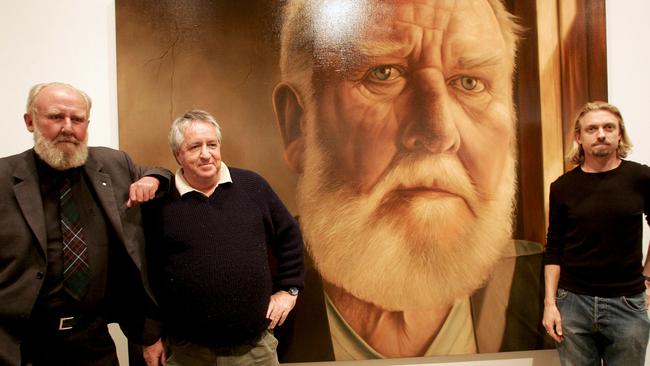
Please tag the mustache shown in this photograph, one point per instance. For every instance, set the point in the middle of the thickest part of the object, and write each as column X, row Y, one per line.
column 419, row 173
column 66, row 138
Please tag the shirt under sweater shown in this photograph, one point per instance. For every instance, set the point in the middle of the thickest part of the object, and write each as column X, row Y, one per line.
column 209, row 259
column 596, row 228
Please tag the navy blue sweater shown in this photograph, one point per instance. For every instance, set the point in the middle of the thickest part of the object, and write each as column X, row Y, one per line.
column 215, row 261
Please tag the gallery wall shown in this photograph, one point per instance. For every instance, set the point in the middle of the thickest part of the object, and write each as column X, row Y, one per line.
column 71, row 41
column 74, row 41
column 627, row 70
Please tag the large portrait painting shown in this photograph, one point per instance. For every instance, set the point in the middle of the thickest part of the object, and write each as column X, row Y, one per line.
column 413, row 140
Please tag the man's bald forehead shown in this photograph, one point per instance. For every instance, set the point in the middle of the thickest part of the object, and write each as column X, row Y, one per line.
column 38, row 90
column 52, row 89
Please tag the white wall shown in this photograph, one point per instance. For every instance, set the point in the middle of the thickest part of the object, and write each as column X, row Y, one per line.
column 628, row 73
column 71, row 41
column 74, row 41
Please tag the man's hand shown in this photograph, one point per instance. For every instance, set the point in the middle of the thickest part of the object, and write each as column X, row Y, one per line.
column 142, row 191
column 281, row 304
column 553, row 322
column 154, row 355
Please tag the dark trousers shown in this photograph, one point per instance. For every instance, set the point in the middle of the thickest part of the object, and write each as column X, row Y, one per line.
column 86, row 343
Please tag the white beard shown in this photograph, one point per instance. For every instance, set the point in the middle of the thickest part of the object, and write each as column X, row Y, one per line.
column 404, row 253
column 57, row 158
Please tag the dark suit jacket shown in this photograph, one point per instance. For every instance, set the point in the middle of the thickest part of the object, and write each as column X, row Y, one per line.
column 507, row 312
column 23, row 242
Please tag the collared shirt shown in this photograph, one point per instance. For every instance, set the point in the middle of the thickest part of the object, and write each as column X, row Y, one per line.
column 455, row 337
column 183, row 187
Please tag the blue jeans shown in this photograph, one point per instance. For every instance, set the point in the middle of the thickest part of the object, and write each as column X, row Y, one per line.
column 614, row 329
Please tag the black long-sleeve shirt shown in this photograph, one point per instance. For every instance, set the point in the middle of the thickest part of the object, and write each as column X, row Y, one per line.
column 596, row 228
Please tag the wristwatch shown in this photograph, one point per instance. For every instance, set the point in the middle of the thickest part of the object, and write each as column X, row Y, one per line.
column 293, row 291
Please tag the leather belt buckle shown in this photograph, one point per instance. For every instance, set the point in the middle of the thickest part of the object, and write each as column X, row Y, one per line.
column 66, row 323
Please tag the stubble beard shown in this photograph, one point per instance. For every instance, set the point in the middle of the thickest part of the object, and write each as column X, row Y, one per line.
column 58, row 159
column 602, row 151
column 399, row 253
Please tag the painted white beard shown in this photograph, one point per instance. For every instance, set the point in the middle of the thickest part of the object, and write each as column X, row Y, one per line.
column 404, row 253
column 55, row 157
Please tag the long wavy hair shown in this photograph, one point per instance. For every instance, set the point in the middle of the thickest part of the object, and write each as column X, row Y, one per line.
column 576, row 154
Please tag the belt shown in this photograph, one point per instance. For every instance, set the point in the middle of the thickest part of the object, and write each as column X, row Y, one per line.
column 67, row 323
column 61, row 323
column 59, row 316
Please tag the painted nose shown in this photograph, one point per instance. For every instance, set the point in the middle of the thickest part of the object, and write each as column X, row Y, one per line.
column 431, row 126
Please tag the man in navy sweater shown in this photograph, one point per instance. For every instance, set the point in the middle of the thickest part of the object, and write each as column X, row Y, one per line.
column 596, row 299
column 225, row 256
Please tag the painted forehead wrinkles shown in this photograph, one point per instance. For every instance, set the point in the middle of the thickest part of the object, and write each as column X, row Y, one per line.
column 466, row 31
column 395, row 22
column 425, row 14
column 386, row 31
column 437, row 14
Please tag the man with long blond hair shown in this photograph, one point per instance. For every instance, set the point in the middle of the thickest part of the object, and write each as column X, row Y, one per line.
column 596, row 300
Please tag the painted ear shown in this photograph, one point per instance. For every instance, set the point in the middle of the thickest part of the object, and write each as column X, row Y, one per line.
column 289, row 114
column 29, row 122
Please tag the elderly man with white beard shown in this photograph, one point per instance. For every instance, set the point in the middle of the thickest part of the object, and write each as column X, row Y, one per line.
column 399, row 119
column 71, row 241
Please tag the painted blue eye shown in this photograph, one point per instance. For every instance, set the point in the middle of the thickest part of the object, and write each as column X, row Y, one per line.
column 468, row 83
column 384, row 73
